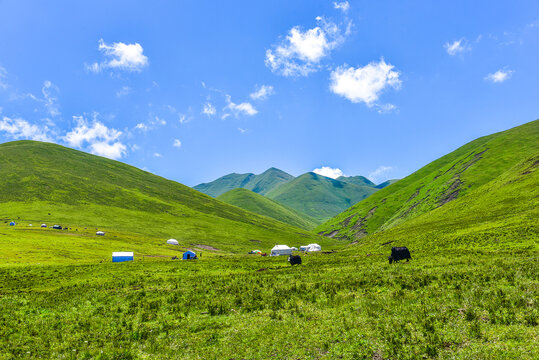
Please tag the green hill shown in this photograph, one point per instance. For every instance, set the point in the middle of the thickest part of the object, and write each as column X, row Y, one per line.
column 48, row 183
column 318, row 196
column 487, row 185
column 260, row 184
column 250, row 201
column 358, row 180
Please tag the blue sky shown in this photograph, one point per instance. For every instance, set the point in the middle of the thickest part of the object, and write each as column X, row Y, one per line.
column 194, row 90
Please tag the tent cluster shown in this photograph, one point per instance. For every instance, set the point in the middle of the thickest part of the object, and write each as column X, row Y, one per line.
column 188, row 255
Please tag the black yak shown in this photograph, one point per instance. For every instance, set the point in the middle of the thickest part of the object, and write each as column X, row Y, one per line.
column 399, row 253
column 294, row 260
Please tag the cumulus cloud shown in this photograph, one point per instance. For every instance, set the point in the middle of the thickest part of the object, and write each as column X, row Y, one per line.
column 50, row 99
column 125, row 90
column 343, row 6
column 300, row 52
column 177, row 143
column 100, row 139
column 379, row 173
column 262, row 92
column 329, row 172
column 499, row 76
column 17, row 128
column 364, row 84
column 457, row 47
column 244, row 108
column 209, row 109
column 120, row 56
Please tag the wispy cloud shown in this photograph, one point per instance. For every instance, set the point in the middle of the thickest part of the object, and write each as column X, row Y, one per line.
column 329, row 172
column 457, row 47
column 344, row 6
column 120, row 56
column 50, row 98
column 177, row 143
column 380, row 173
column 157, row 155
column 364, row 84
column 209, row 109
column 242, row 130
column 499, row 76
column 300, row 53
column 243, row 108
column 125, row 90
column 3, row 75
column 262, row 92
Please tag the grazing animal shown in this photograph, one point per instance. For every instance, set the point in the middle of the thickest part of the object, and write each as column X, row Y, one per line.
column 399, row 253
column 294, row 260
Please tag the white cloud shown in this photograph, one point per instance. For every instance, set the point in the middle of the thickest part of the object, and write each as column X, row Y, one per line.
column 49, row 91
column 386, row 108
column 3, row 75
column 238, row 109
column 329, row 172
column 156, row 154
column 18, row 128
column 242, row 130
column 379, row 173
column 364, row 84
column 301, row 52
column 125, row 90
column 499, row 76
column 343, row 6
column 141, row 127
column 182, row 117
column 101, row 140
column 262, row 93
column 209, row 109
column 457, row 46
column 134, row 147
column 177, row 143
column 121, row 56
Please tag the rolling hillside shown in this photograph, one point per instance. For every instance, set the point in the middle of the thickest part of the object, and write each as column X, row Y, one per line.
column 358, row 180
column 48, row 183
column 318, row 196
column 260, row 184
column 261, row 205
column 488, row 186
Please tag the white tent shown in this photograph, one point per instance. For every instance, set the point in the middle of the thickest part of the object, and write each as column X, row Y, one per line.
column 101, row 233
column 172, row 242
column 311, row 247
column 281, row 250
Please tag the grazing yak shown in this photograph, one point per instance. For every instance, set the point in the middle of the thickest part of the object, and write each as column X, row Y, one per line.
column 399, row 253
column 294, row 260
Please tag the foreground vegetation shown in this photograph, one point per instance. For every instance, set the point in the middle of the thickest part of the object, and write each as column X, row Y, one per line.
column 452, row 305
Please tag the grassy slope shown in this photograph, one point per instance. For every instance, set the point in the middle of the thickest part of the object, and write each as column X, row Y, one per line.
column 261, row 205
column 260, row 184
column 138, row 210
column 318, row 196
column 452, row 176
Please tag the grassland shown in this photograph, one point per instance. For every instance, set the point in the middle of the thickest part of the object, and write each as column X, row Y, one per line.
column 451, row 305
column 261, row 205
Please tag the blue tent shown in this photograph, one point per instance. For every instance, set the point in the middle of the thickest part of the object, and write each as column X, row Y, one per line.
column 12, row 224
column 189, row 255
column 122, row 256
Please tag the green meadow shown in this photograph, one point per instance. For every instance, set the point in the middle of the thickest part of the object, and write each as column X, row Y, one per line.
column 346, row 305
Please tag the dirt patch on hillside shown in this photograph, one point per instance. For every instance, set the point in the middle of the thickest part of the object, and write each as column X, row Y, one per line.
column 451, row 193
column 255, row 241
column 332, row 234
column 346, row 221
column 414, row 194
column 530, row 168
column 358, row 226
column 205, row 247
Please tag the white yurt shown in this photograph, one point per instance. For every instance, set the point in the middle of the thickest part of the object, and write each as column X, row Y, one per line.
column 172, row 242
column 313, row 247
column 100, row 233
column 281, row 250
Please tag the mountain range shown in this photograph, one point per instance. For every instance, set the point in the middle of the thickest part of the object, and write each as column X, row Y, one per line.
column 315, row 197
